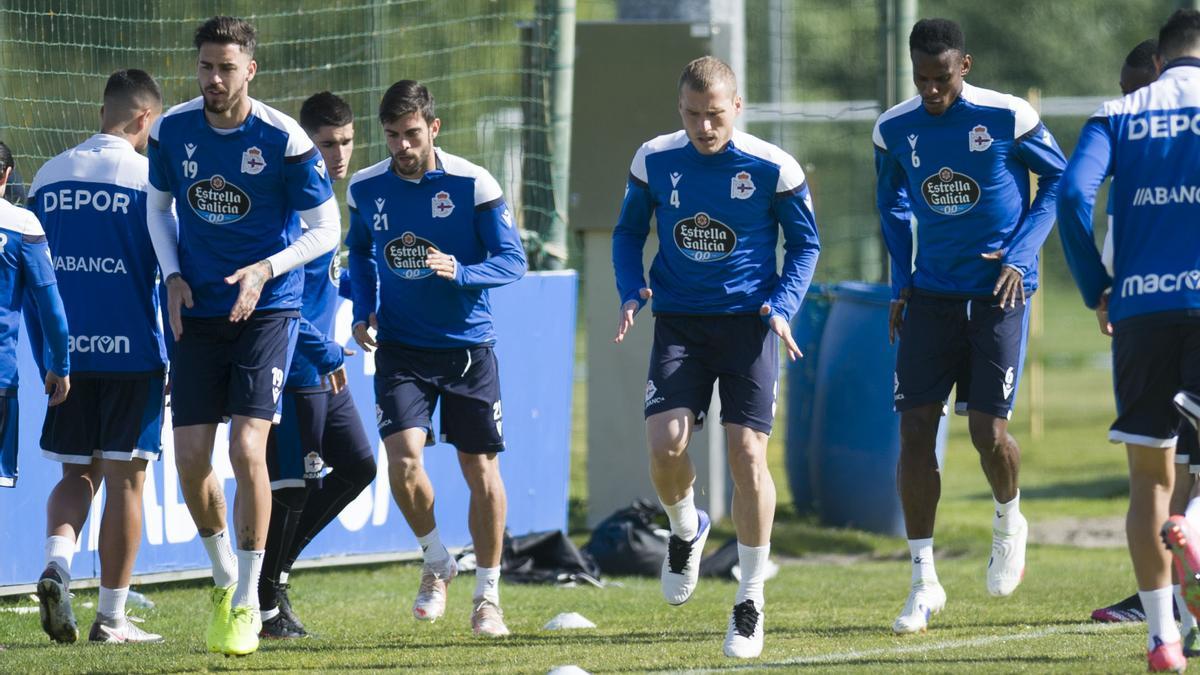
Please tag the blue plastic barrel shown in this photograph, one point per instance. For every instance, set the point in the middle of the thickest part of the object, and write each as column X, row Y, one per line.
column 807, row 328
column 855, row 432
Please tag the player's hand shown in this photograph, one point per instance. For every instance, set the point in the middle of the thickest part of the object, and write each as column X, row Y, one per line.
column 1008, row 285
column 443, row 264
column 337, row 380
column 784, row 331
column 896, row 315
column 250, row 280
column 179, row 294
column 628, row 310
column 1102, row 314
column 57, row 387
column 346, row 351
column 363, row 337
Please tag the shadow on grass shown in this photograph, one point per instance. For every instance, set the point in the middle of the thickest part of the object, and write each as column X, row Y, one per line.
column 1108, row 487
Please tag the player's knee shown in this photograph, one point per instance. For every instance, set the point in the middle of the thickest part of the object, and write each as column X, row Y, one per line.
column 292, row 498
column 358, row 474
column 918, row 429
column 192, row 465
column 405, row 468
column 988, row 434
column 482, row 474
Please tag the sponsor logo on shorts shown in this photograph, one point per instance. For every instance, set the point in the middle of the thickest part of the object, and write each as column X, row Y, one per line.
column 218, row 201
column 276, row 383
column 380, row 422
column 98, row 344
column 950, row 193
column 978, row 139
column 704, row 239
column 651, row 390
column 314, row 466
column 405, row 255
column 68, row 199
column 1008, row 383
column 1145, row 284
column 70, row 263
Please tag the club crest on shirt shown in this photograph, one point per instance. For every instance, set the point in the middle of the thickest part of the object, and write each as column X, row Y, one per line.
column 703, row 238
column 950, row 193
column 253, row 162
column 405, row 256
column 741, row 187
column 442, row 206
column 218, row 201
column 979, row 139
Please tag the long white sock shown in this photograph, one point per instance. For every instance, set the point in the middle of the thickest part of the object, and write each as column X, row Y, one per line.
column 59, row 551
column 1007, row 515
column 432, row 549
column 487, row 584
column 1192, row 512
column 753, row 561
column 268, row 614
column 112, row 602
column 685, row 522
column 1160, row 620
column 922, row 561
column 1186, row 619
column 224, row 564
column 249, row 566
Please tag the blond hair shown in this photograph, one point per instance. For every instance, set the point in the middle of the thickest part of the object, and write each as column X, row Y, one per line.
column 705, row 73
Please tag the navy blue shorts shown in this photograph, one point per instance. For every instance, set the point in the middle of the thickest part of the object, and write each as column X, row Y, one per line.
column 1187, row 448
column 970, row 345
column 1154, row 357
column 739, row 352
column 223, row 369
column 317, row 433
column 409, row 382
column 106, row 416
column 9, row 416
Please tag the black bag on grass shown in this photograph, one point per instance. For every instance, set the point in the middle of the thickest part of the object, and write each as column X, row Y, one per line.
column 545, row 558
column 628, row 542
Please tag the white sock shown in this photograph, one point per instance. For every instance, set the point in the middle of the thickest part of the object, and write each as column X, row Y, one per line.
column 753, row 561
column 1192, row 512
column 112, row 602
column 1007, row 515
column 224, row 564
column 922, row 561
column 487, row 584
column 1160, row 620
column 268, row 614
column 685, row 522
column 59, row 551
column 249, row 566
column 1185, row 616
column 432, row 549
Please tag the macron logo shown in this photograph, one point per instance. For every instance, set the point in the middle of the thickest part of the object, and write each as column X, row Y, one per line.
column 98, row 344
column 190, row 149
column 1145, row 284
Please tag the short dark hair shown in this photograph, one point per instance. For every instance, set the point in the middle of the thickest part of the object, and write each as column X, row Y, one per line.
column 706, row 72
column 1141, row 57
column 6, row 158
column 934, row 36
column 133, row 89
column 227, row 30
column 1181, row 33
column 324, row 109
column 405, row 98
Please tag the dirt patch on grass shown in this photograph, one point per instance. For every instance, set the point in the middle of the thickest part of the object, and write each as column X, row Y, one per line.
column 1080, row 532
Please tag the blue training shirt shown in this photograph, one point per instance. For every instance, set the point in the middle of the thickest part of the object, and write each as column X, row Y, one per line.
column 316, row 353
column 91, row 201
column 963, row 176
column 457, row 209
column 718, row 220
column 236, row 196
column 1149, row 142
column 28, row 275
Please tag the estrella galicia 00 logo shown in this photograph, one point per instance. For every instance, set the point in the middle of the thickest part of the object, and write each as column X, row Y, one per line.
column 335, row 269
column 704, row 239
column 950, row 193
column 218, row 201
column 406, row 255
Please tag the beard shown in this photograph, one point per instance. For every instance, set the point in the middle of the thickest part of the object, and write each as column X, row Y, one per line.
column 220, row 105
column 411, row 168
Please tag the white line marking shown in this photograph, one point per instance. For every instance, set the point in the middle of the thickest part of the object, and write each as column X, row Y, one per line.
column 864, row 654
